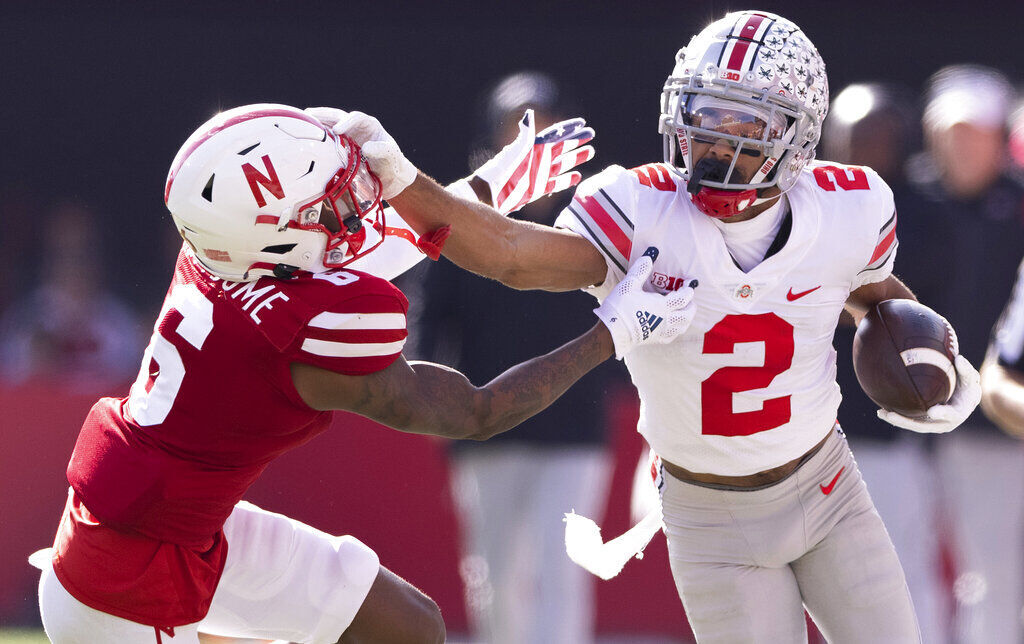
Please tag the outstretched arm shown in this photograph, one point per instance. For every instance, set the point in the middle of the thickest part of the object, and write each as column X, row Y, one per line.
column 427, row 398
column 521, row 254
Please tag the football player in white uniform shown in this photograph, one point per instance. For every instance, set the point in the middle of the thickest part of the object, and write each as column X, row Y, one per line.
column 764, row 508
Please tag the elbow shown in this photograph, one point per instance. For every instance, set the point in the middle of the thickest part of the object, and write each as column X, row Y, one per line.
column 997, row 409
column 485, row 427
column 481, row 430
column 519, row 279
column 1000, row 400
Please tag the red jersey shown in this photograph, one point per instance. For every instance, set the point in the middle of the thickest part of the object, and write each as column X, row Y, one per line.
column 155, row 475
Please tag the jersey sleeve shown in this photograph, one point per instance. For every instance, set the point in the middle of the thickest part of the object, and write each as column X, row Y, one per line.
column 1008, row 336
column 883, row 253
column 358, row 333
column 602, row 212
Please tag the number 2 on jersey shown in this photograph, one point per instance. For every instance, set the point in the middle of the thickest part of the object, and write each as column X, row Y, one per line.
column 152, row 395
column 846, row 177
column 716, row 392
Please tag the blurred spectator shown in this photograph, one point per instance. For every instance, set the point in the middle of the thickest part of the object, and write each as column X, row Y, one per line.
column 1003, row 371
column 16, row 257
column 512, row 491
column 972, row 212
column 1016, row 127
column 68, row 328
column 876, row 124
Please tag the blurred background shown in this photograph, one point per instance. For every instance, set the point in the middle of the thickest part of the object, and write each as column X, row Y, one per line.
column 96, row 98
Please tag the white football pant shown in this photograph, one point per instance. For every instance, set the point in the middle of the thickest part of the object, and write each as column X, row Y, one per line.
column 747, row 562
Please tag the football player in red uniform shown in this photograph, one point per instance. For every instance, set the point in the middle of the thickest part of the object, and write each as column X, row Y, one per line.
column 763, row 507
column 267, row 326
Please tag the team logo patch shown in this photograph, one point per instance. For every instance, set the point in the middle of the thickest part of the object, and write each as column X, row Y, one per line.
column 743, row 292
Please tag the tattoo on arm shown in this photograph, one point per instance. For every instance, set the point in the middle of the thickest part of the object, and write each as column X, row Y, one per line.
column 427, row 398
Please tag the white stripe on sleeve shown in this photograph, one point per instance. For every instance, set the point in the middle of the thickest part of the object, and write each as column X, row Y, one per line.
column 351, row 349
column 352, row 321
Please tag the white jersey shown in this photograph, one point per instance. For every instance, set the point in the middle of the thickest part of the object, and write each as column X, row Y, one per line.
column 751, row 384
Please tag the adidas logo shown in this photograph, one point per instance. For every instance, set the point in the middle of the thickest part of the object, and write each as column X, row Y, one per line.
column 648, row 322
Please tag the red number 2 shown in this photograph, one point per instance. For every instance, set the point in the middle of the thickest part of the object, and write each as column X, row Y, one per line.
column 848, row 177
column 716, row 393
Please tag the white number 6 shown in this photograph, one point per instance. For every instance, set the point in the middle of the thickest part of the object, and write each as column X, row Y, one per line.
column 151, row 407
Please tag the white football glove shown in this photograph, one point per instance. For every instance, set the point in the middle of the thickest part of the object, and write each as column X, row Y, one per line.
column 380, row 149
column 634, row 316
column 535, row 165
column 945, row 418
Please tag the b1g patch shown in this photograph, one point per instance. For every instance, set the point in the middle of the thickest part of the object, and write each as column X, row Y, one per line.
column 666, row 282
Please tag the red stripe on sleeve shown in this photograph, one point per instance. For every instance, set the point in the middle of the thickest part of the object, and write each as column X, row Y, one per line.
column 607, row 225
column 883, row 246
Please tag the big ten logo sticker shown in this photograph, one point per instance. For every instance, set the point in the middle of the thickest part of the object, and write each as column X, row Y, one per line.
column 666, row 282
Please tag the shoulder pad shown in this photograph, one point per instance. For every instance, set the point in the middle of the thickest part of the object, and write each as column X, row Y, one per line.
column 602, row 211
column 356, row 323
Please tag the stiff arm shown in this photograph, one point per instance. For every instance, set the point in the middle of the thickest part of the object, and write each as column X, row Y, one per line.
column 520, row 254
column 427, row 398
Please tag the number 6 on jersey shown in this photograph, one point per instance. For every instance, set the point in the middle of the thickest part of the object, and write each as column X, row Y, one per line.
column 154, row 391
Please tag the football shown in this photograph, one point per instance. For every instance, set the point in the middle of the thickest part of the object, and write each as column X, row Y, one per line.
column 903, row 355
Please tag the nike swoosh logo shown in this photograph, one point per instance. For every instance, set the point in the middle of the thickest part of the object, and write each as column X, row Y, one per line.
column 827, row 489
column 796, row 296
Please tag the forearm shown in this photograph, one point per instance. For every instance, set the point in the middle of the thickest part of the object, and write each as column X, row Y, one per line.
column 861, row 300
column 519, row 254
column 1003, row 397
column 480, row 239
column 522, row 391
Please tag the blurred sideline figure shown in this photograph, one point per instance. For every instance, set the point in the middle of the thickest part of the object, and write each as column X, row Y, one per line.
column 970, row 213
column 279, row 311
column 876, row 125
column 511, row 492
column 70, row 327
column 1016, row 127
column 1002, row 375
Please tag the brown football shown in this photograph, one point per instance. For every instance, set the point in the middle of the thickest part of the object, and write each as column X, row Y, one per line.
column 903, row 355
